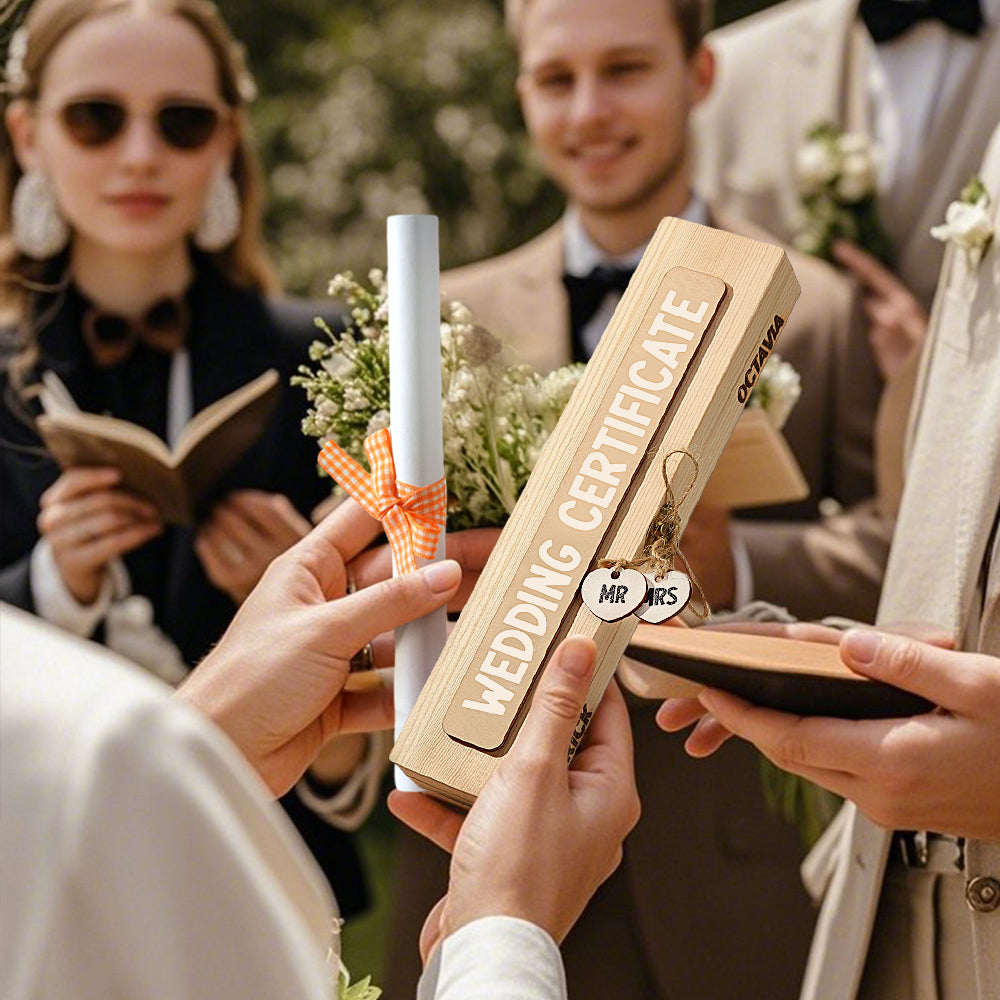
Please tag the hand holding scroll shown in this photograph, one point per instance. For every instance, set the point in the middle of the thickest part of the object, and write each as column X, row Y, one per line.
column 275, row 682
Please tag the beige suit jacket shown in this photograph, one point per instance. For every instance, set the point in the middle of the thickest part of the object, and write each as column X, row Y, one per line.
column 813, row 567
column 785, row 69
column 941, row 553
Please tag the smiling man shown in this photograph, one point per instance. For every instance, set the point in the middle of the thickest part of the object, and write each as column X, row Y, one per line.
column 607, row 89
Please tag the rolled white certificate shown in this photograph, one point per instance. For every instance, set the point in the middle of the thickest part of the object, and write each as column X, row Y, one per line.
column 414, row 279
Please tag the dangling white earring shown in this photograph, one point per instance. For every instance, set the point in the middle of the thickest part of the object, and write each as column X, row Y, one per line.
column 220, row 221
column 37, row 225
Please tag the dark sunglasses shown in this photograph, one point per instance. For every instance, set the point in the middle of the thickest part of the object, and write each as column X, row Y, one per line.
column 94, row 122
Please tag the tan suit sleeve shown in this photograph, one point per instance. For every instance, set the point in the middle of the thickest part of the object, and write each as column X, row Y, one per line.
column 832, row 566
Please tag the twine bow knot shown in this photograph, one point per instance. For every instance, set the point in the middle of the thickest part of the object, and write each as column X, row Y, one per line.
column 662, row 546
column 413, row 516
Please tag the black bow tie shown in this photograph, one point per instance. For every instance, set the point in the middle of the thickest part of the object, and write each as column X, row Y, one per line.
column 888, row 19
column 111, row 338
column 585, row 297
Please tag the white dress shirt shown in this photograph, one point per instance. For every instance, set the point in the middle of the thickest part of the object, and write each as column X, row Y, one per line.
column 914, row 81
column 581, row 255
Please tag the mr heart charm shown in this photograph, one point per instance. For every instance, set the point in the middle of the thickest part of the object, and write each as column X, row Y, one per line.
column 613, row 594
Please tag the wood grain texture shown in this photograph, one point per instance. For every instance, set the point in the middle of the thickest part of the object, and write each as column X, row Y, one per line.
column 699, row 416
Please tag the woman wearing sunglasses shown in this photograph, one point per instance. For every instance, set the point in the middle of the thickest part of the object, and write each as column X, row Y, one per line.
column 133, row 270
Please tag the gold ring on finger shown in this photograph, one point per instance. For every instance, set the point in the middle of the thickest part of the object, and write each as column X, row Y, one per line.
column 363, row 659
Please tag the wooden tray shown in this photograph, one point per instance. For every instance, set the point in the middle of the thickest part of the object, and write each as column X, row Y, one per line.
column 792, row 675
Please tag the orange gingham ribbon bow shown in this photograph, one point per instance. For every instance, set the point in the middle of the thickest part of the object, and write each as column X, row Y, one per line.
column 413, row 516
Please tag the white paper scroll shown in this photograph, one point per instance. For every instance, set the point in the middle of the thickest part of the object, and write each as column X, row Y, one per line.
column 413, row 276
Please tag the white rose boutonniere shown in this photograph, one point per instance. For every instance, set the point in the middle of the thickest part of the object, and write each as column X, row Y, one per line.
column 776, row 391
column 967, row 222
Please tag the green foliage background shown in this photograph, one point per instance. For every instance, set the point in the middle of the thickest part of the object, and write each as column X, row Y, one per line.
column 373, row 107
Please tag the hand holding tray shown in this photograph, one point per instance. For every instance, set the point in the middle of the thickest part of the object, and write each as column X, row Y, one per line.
column 791, row 675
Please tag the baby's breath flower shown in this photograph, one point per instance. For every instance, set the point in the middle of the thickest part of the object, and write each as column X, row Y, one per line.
column 496, row 416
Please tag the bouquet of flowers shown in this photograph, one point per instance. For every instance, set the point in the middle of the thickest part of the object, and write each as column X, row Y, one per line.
column 496, row 415
column 836, row 173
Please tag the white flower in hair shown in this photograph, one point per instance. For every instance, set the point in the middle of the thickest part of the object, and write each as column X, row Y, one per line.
column 967, row 222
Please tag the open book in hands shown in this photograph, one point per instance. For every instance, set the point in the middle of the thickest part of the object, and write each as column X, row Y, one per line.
column 177, row 481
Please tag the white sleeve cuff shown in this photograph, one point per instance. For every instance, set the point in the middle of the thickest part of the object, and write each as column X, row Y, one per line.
column 56, row 604
column 352, row 803
column 495, row 958
column 742, row 571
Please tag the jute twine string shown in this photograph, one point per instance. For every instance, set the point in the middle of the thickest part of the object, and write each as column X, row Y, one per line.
column 661, row 546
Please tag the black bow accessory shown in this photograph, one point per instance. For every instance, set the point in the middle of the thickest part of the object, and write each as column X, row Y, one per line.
column 111, row 338
column 585, row 297
column 888, row 19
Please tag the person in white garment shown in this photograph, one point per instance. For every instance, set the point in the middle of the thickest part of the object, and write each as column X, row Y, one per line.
column 917, row 914
column 142, row 857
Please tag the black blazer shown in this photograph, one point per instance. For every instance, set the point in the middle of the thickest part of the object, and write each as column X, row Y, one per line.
column 234, row 335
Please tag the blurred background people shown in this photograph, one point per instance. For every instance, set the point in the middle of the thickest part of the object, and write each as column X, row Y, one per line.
column 921, row 80
column 608, row 119
column 132, row 269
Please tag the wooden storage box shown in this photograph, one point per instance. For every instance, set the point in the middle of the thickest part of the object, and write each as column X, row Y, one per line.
column 673, row 370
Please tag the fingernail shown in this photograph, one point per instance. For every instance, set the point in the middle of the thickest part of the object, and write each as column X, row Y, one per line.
column 576, row 658
column 862, row 644
column 442, row 576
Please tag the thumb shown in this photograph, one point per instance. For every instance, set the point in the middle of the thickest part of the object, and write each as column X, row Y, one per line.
column 558, row 700
column 904, row 663
column 369, row 612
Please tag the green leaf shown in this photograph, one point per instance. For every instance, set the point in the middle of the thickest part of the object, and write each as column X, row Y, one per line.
column 973, row 191
column 361, row 990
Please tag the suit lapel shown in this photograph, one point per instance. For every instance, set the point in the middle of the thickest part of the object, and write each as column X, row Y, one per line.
column 953, row 470
column 829, row 51
column 542, row 301
column 228, row 348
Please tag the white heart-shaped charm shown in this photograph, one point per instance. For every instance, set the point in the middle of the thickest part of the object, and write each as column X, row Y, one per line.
column 613, row 594
column 666, row 597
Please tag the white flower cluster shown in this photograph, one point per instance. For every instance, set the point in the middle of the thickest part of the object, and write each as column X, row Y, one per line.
column 967, row 222
column 776, row 391
column 836, row 174
column 496, row 415
column 842, row 164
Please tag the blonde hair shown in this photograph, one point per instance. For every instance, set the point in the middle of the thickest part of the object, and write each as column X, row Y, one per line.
column 693, row 17
column 49, row 21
